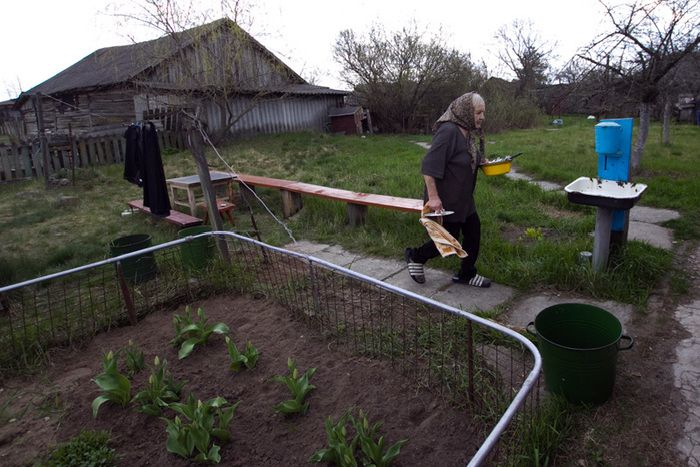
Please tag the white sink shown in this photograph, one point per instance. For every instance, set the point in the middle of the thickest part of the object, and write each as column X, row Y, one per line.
column 604, row 193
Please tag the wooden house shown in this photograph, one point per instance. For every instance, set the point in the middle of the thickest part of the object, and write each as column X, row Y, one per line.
column 237, row 85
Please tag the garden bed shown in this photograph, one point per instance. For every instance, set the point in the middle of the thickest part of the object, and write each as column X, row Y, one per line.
column 54, row 405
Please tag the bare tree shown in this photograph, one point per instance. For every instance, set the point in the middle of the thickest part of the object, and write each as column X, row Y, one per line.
column 399, row 74
column 210, row 63
column 524, row 53
column 646, row 41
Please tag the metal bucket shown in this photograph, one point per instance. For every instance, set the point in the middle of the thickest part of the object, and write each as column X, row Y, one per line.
column 579, row 345
column 136, row 269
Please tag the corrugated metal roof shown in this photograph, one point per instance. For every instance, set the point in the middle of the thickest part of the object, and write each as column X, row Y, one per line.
column 121, row 64
column 339, row 112
column 297, row 89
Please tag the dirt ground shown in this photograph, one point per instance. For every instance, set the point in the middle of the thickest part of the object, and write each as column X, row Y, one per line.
column 643, row 420
column 54, row 405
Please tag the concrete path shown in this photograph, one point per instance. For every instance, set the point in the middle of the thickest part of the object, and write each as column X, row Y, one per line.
column 686, row 369
column 438, row 286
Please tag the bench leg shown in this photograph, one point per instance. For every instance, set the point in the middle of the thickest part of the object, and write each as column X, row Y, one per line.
column 291, row 203
column 356, row 214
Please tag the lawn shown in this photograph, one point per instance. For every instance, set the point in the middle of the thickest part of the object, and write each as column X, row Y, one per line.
column 531, row 238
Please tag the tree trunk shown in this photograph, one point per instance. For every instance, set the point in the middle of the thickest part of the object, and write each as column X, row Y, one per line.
column 666, row 132
column 641, row 136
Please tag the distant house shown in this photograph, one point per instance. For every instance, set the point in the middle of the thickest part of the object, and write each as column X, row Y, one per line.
column 240, row 86
column 688, row 108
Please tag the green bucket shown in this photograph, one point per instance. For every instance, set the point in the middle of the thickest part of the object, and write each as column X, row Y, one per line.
column 196, row 254
column 579, row 345
column 139, row 268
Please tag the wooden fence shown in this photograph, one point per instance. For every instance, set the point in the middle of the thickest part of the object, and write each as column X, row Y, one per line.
column 20, row 162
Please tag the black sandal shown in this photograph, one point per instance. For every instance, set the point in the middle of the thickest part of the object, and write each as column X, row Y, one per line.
column 476, row 281
column 415, row 270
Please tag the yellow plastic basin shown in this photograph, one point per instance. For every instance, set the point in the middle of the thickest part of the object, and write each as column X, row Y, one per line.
column 498, row 168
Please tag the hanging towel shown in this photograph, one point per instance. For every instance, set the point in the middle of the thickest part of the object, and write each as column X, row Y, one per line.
column 444, row 242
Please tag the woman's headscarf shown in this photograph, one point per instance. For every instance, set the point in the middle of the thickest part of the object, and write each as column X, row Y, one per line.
column 461, row 112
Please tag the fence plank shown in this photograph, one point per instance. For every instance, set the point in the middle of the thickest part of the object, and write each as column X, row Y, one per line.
column 26, row 156
column 107, row 148
column 116, row 150
column 83, row 151
column 54, row 155
column 37, row 160
column 100, row 152
column 16, row 169
column 3, row 163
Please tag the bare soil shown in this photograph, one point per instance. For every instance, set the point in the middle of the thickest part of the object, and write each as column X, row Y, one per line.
column 44, row 409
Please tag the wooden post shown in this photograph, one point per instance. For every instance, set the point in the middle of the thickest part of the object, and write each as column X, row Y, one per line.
column 601, row 241
column 39, row 111
column 356, row 214
column 194, row 138
column 291, row 203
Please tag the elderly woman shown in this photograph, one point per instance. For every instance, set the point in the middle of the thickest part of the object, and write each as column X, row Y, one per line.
column 449, row 170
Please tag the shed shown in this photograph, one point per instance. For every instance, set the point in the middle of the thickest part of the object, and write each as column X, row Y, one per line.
column 350, row 120
column 688, row 107
column 240, row 86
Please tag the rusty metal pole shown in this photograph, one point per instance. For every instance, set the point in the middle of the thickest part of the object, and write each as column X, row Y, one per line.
column 128, row 300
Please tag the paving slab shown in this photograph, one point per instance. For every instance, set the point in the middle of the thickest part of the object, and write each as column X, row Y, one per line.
column 652, row 215
column 653, row 234
column 547, row 186
column 513, row 175
column 472, row 299
column 435, row 280
column 337, row 255
column 526, row 311
column 306, row 247
column 377, row 268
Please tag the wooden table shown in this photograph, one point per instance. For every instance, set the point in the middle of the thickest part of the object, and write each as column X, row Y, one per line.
column 192, row 186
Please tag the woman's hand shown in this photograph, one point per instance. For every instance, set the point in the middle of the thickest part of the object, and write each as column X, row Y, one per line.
column 435, row 204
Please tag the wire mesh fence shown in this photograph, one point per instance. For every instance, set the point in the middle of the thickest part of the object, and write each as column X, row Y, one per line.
column 486, row 370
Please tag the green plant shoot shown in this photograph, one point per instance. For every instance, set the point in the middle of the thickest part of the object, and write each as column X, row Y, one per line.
column 115, row 387
column 190, row 331
column 374, row 451
column 339, row 451
column 362, row 445
column 134, row 359
column 160, row 390
column 249, row 356
column 192, row 436
column 299, row 386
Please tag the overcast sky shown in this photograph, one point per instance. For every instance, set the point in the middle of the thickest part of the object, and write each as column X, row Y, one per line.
column 42, row 37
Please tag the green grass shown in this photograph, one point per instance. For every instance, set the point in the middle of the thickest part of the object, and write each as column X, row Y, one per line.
column 40, row 236
column 87, row 448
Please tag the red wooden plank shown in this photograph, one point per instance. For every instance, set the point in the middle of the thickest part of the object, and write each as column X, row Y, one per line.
column 365, row 199
column 175, row 217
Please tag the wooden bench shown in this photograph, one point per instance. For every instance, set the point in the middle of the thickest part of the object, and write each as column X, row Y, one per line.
column 176, row 217
column 357, row 202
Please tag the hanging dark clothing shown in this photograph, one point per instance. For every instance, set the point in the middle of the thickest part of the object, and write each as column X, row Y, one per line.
column 143, row 166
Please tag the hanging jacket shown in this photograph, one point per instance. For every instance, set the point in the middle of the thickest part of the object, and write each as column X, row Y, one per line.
column 143, row 166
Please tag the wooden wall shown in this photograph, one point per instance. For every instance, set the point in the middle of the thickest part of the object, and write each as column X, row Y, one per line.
column 86, row 112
